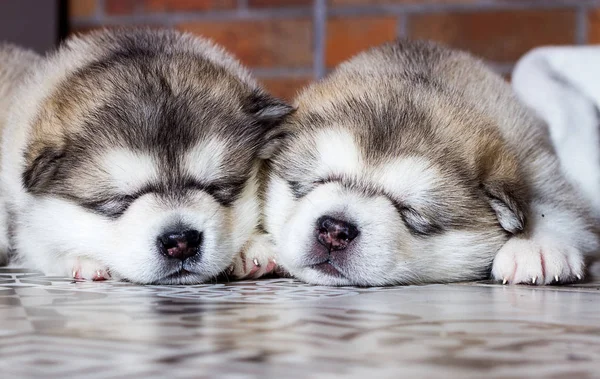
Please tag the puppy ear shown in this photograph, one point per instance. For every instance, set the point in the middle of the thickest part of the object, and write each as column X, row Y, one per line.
column 270, row 113
column 503, row 183
column 268, row 110
column 42, row 169
column 509, row 201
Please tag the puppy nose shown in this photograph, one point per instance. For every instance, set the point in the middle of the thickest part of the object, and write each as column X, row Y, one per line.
column 180, row 245
column 335, row 234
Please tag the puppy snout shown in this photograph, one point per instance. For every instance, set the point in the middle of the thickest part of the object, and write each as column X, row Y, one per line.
column 335, row 234
column 180, row 245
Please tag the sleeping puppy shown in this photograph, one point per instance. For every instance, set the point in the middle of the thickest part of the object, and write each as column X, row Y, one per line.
column 131, row 154
column 414, row 163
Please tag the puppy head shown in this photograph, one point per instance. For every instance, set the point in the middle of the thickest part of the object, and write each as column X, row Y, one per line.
column 380, row 183
column 143, row 157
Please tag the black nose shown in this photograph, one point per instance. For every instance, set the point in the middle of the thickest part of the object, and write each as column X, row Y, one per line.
column 180, row 245
column 335, row 234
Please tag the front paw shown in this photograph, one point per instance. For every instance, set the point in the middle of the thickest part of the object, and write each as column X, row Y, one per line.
column 537, row 261
column 257, row 259
column 88, row 269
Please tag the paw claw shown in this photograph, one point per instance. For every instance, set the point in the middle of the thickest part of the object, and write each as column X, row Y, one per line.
column 101, row 275
column 255, row 260
column 537, row 261
column 270, row 267
column 87, row 269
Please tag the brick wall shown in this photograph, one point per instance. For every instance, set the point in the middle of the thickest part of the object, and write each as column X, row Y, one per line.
column 288, row 43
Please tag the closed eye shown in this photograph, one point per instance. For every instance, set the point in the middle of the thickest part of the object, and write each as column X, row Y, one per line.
column 225, row 192
column 299, row 189
column 415, row 222
column 112, row 208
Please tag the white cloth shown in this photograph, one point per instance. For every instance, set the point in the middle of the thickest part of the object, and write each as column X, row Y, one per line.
column 562, row 85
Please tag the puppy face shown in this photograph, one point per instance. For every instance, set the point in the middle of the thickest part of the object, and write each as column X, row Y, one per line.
column 380, row 183
column 144, row 159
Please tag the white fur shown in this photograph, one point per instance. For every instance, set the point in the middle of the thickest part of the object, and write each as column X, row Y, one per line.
column 4, row 241
column 244, row 213
column 205, row 160
column 553, row 253
column 279, row 208
column 338, row 153
column 128, row 170
column 407, row 177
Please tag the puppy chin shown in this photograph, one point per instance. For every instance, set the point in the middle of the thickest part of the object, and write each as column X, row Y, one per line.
column 182, row 277
column 310, row 275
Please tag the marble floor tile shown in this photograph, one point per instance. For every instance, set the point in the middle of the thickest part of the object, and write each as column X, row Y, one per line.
column 58, row 328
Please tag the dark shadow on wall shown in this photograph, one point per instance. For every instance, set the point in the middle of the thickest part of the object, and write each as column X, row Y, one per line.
column 37, row 24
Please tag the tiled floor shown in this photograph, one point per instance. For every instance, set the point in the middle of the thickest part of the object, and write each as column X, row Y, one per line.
column 57, row 328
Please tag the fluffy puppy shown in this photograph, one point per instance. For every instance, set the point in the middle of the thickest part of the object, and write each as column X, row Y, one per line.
column 131, row 153
column 414, row 163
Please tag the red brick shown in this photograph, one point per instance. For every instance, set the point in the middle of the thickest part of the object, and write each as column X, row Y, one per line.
column 286, row 87
column 349, row 36
column 594, row 26
column 501, row 36
column 278, row 3
column 378, row 2
column 121, row 7
column 265, row 43
column 82, row 8
column 188, row 5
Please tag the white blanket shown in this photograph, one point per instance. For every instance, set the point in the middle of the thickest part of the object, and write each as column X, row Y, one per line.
column 562, row 84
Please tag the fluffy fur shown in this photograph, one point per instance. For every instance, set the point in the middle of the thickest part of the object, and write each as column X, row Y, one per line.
column 436, row 171
column 119, row 137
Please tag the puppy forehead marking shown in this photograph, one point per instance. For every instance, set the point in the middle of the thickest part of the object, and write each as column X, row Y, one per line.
column 338, row 152
column 408, row 177
column 205, row 160
column 129, row 170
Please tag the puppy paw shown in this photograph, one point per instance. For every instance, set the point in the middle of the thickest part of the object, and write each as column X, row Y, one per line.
column 257, row 259
column 89, row 269
column 535, row 261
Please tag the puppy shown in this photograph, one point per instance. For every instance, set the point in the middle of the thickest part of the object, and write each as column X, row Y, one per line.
column 131, row 153
column 414, row 163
